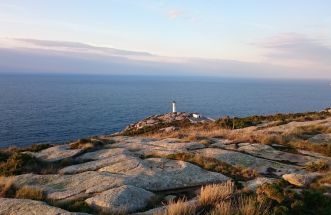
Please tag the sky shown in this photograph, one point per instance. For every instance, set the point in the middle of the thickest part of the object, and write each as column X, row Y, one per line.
column 238, row 38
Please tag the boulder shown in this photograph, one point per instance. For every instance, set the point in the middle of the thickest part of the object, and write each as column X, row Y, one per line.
column 56, row 153
column 29, row 207
column 252, row 185
column 121, row 199
column 300, row 180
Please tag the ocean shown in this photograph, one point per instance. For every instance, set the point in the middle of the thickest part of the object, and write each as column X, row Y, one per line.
column 59, row 108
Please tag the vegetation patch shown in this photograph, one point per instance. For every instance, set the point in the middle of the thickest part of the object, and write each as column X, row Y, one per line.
column 19, row 163
column 218, row 199
column 243, row 122
column 285, row 201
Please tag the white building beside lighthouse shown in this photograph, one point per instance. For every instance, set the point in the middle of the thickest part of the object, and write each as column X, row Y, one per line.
column 174, row 107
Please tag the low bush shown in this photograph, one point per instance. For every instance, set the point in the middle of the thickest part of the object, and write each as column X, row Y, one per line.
column 19, row 163
column 284, row 201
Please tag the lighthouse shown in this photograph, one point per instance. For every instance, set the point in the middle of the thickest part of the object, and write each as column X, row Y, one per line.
column 174, row 107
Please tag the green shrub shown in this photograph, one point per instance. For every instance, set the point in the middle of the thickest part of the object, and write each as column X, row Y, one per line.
column 287, row 202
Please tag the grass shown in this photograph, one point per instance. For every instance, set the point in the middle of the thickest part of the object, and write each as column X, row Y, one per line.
column 31, row 192
column 293, row 139
column 243, row 122
column 86, row 144
column 214, row 165
column 322, row 183
column 21, row 163
column 18, row 163
column 218, row 199
column 243, row 205
column 319, row 165
column 179, row 207
column 7, row 188
column 214, row 193
column 287, row 202
column 73, row 206
column 248, row 205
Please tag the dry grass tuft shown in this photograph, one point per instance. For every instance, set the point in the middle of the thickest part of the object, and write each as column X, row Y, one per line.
column 180, row 207
column 322, row 183
column 224, row 208
column 249, row 206
column 6, row 186
column 319, row 165
column 119, row 211
column 30, row 192
column 85, row 144
column 214, row 193
column 307, row 130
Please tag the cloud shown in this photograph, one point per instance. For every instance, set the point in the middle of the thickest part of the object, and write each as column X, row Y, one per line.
column 297, row 50
column 76, row 47
column 174, row 14
column 42, row 56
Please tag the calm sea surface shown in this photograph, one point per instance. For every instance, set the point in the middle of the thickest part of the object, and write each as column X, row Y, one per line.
column 57, row 108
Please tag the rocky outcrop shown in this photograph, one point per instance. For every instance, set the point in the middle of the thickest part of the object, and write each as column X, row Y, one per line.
column 29, row 207
column 168, row 122
column 125, row 173
column 121, row 199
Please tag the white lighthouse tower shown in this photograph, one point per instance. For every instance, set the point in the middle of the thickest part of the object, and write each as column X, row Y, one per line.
column 174, row 107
